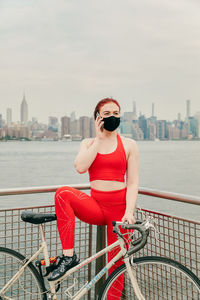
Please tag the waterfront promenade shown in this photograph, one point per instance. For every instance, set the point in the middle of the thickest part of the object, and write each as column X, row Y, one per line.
column 179, row 238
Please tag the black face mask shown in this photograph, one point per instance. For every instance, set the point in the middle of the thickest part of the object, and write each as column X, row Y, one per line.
column 111, row 123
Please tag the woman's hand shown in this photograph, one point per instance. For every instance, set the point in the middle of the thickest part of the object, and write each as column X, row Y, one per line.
column 129, row 217
column 98, row 127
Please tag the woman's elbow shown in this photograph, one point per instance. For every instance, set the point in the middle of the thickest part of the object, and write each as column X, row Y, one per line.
column 80, row 169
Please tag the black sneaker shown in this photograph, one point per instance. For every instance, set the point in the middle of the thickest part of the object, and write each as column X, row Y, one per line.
column 65, row 263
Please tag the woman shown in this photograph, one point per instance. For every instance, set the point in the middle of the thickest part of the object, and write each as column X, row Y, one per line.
column 107, row 158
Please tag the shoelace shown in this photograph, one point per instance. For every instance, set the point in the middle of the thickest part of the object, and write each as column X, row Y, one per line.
column 65, row 260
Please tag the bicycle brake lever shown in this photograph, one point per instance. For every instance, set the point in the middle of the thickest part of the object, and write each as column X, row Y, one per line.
column 148, row 224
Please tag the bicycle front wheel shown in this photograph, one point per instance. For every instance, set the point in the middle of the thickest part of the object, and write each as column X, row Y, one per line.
column 28, row 286
column 159, row 278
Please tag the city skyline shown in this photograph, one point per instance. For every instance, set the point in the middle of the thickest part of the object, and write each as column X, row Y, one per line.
column 132, row 125
column 25, row 104
column 137, row 50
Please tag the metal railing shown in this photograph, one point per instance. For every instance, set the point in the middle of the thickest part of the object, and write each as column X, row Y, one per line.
column 143, row 191
column 25, row 238
column 179, row 238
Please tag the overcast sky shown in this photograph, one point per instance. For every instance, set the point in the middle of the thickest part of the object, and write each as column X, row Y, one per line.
column 68, row 54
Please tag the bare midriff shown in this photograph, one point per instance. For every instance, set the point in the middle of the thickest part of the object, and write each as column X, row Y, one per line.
column 107, row 185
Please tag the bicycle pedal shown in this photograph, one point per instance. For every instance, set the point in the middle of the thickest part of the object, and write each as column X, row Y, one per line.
column 41, row 263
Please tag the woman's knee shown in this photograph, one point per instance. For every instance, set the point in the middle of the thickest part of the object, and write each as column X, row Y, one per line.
column 63, row 193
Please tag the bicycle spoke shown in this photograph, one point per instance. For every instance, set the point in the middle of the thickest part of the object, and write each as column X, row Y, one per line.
column 26, row 287
column 157, row 279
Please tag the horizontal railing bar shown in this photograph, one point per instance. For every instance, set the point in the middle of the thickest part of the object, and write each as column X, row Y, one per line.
column 144, row 191
column 170, row 196
column 40, row 189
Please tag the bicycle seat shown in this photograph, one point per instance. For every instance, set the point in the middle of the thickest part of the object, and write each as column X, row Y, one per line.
column 37, row 218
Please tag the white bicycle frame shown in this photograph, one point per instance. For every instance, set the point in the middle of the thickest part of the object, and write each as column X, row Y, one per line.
column 87, row 286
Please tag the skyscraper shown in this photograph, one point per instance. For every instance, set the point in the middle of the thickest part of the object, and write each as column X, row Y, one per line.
column 92, row 127
column 142, row 122
column 65, row 126
column 197, row 116
column 134, row 111
column 73, row 116
column 85, row 127
column 53, row 124
column 9, row 116
column 24, row 111
column 187, row 109
column 75, row 128
column 153, row 107
column 1, row 121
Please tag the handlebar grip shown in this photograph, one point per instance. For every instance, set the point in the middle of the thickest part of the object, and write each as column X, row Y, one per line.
column 141, row 242
column 124, row 225
column 131, row 226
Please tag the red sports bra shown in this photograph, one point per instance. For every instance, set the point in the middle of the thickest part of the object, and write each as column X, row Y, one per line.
column 111, row 166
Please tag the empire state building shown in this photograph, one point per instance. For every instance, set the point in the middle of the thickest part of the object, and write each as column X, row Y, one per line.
column 24, row 111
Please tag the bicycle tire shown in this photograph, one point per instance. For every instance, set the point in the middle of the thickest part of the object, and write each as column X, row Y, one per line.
column 29, row 286
column 159, row 278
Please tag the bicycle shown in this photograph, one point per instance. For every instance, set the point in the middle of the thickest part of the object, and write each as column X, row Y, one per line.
column 144, row 277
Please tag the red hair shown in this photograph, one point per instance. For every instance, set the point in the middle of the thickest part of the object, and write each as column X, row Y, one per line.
column 102, row 102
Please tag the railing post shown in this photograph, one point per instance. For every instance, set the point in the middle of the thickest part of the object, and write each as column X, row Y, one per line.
column 100, row 262
column 90, row 254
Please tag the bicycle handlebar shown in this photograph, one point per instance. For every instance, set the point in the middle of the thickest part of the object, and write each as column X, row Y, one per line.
column 143, row 230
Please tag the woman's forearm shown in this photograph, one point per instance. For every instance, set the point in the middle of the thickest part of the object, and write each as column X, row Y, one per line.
column 131, row 197
column 86, row 157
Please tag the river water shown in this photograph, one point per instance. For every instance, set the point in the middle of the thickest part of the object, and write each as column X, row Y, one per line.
column 172, row 166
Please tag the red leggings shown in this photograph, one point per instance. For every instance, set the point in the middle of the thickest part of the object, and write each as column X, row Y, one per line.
column 101, row 208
